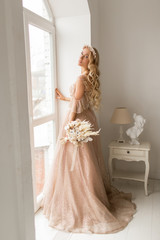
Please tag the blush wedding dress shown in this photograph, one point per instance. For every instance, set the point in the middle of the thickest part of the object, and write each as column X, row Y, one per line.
column 83, row 200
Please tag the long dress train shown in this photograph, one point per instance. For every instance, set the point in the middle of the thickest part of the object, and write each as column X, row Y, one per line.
column 83, row 200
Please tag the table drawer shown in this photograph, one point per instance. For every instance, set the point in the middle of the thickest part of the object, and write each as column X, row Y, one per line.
column 128, row 152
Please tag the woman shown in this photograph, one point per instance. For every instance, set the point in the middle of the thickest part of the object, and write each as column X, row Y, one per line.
column 83, row 200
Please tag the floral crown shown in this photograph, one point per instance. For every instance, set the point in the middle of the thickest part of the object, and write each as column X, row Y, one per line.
column 91, row 49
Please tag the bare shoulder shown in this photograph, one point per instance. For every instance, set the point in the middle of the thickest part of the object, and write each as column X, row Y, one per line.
column 79, row 88
column 83, row 76
column 79, row 81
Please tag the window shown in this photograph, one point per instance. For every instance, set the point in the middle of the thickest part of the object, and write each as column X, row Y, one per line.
column 41, row 77
column 39, row 7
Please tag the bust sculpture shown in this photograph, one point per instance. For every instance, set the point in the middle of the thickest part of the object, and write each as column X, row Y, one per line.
column 137, row 129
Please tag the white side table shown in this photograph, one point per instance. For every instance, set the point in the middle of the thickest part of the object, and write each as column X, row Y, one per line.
column 128, row 152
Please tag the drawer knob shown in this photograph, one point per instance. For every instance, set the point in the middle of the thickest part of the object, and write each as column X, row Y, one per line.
column 128, row 152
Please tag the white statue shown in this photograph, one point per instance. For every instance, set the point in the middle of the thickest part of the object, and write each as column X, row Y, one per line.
column 137, row 129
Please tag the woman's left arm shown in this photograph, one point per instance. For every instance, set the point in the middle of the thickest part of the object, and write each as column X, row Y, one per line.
column 79, row 91
column 72, row 116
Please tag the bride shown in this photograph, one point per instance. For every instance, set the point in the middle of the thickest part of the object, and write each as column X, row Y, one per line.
column 83, row 200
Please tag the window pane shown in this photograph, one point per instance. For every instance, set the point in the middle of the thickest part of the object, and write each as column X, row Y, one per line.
column 42, row 84
column 44, row 142
column 38, row 7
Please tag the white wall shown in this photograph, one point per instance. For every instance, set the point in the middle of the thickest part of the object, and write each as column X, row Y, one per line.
column 130, row 75
column 94, row 7
column 16, row 198
column 71, row 34
column 69, row 8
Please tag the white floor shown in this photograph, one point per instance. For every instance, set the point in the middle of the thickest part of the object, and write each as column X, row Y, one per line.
column 145, row 224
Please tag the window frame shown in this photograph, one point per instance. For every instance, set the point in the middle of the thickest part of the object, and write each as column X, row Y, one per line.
column 31, row 18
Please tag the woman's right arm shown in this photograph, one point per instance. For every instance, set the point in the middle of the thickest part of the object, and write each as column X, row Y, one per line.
column 60, row 96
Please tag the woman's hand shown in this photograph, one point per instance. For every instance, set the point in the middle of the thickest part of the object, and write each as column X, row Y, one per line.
column 59, row 95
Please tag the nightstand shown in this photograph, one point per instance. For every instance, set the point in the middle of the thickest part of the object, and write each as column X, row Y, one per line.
column 128, row 152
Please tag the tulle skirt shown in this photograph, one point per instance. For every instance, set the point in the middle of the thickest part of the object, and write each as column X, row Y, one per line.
column 83, row 200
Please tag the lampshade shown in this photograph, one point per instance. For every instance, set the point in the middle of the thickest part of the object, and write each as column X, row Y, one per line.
column 121, row 116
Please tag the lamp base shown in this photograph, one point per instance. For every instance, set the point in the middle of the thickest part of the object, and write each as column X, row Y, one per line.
column 120, row 141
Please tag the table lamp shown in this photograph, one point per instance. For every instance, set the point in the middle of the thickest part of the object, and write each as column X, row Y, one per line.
column 121, row 116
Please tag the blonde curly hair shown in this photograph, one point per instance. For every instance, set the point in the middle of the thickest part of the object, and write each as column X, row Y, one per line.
column 92, row 82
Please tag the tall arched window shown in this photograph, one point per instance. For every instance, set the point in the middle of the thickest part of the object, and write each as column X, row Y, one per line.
column 41, row 75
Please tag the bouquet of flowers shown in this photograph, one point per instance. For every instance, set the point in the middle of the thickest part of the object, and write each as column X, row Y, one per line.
column 78, row 132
